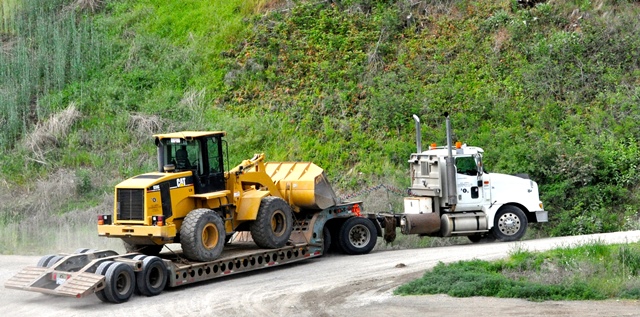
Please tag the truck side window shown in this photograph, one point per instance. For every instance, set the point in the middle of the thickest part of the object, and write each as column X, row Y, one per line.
column 466, row 165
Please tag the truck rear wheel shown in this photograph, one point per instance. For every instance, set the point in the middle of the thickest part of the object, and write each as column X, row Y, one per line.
column 274, row 223
column 510, row 224
column 357, row 236
column 153, row 277
column 202, row 235
column 119, row 283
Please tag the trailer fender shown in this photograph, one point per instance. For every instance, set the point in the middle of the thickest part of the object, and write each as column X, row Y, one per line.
column 249, row 204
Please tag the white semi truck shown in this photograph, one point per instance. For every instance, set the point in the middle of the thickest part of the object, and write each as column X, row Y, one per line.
column 452, row 195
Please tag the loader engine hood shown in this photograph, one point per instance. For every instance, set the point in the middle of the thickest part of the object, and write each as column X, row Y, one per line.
column 508, row 188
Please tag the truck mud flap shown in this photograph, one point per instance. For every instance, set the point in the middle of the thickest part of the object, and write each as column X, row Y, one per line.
column 48, row 281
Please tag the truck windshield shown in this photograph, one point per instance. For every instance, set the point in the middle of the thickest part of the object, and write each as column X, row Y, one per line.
column 466, row 165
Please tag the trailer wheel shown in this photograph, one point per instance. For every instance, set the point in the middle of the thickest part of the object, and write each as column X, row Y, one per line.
column 475, row 238
column 119, row 283
column 357, row 236
column 44, row 261
column 202, row 235
column 510, row 224
column 274, row 223
column 326, row 240
column 142, row 248
column 153, row 277
column 54, row 260
column 101, row 270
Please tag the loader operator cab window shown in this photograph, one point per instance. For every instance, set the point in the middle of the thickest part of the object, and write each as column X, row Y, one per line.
column 184, row 155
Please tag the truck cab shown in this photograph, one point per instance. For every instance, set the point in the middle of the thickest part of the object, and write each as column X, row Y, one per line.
column 452, row 195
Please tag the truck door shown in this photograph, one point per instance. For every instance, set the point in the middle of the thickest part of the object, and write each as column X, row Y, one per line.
column 469, row 183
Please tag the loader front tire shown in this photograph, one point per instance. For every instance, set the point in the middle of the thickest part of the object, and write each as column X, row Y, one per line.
column 202, row 235
column 274, row 223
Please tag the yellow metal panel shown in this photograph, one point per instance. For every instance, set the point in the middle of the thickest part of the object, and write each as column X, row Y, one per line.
column 117, row 231
column 249, row 203
column 188, row 134
column 213, row 195
column 302, row 184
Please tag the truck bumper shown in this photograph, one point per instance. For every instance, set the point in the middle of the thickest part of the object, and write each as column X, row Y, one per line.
column 167, row 232
column 542, row 216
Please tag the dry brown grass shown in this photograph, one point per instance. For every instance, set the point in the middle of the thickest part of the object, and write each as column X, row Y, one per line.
column 143, row 126
column 194, row 100
column 48, row 135
column 89, row 5
column 30, row 222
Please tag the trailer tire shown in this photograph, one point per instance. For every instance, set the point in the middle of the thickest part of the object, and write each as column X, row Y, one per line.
column 357, row 236
column 151, row 280
column 326, row 240
column 54, row 260
column 475, row 238
column 120, row 283
column 45, row 260
column 274, row 223
column 142, row 248
column 101, row 270
column 509, row 224
column 202, row 235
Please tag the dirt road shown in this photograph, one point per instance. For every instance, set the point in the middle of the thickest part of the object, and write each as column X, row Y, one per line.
column 330, row 286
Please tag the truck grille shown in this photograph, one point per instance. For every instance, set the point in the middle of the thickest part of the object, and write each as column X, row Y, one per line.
column 131, row 204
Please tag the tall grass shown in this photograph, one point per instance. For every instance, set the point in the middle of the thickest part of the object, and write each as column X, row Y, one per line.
column 589, row 271
column 46, row 44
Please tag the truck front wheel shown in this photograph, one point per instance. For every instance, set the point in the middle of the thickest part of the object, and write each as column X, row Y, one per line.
column 357, row 236
column 274, row 223
column 510, row 224
column 202, row 235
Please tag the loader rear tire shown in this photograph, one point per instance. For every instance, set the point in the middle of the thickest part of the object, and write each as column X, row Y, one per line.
column 202, row 235
column 357, row 236
column 510, row 224
column 141, row 248
column 274, row 223
column 120, row 282
column 153, row 277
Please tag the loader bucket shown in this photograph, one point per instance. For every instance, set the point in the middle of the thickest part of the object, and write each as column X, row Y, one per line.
column 302, row 184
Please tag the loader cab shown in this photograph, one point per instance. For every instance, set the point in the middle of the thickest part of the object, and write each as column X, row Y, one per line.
column 198, row 152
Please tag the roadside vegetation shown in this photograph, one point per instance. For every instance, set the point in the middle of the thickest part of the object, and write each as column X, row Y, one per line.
column 592, row 271
column 550, row 90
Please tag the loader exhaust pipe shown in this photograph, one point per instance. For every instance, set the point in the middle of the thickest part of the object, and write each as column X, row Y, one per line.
column 418, row 134
column 451, row 169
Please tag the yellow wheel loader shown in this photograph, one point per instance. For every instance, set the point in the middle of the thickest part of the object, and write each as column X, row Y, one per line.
column 193, row 201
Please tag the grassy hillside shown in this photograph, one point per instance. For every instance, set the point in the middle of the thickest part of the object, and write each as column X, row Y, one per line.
column 549, row 90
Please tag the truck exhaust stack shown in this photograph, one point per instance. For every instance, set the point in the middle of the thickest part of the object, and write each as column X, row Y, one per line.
column 418, row 134
column 451, row 169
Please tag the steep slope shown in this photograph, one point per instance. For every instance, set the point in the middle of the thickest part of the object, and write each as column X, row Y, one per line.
column 549, row 90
